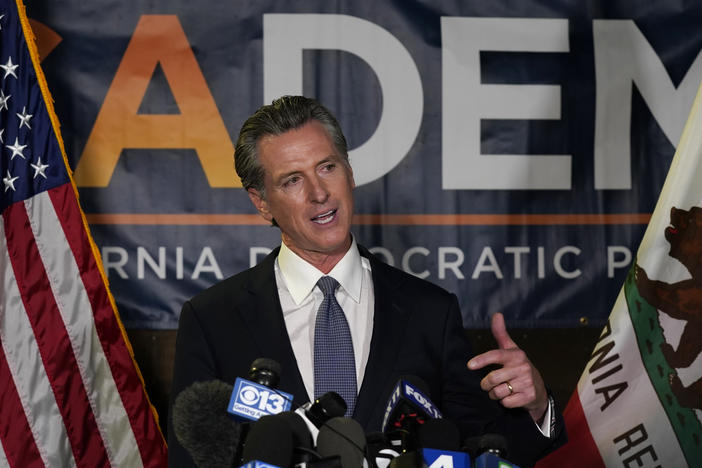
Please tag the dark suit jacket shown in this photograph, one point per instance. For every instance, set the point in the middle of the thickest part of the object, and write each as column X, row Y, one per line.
column 417, row 331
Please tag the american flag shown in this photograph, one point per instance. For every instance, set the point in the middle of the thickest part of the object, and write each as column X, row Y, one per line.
column 70, row 391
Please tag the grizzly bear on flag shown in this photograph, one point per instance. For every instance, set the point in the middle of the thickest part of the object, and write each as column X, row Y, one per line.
column 681, row 300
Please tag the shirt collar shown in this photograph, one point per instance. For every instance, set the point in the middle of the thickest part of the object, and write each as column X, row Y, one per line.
column 301, row 277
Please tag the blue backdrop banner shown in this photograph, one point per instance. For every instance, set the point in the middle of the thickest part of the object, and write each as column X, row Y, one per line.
column 511, row 152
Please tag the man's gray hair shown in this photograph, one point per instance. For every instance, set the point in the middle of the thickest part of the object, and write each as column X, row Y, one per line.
column 282, row 115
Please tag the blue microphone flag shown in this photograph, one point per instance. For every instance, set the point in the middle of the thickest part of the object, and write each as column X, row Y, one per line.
column 445, row 459
column 250, row 401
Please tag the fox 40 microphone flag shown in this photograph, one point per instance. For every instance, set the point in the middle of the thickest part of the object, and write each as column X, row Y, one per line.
column 70, row 391
column 639, row 399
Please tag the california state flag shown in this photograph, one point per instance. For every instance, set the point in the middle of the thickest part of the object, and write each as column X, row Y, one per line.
column 639, row 400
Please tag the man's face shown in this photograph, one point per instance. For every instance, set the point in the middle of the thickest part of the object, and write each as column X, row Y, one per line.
column 308, row 191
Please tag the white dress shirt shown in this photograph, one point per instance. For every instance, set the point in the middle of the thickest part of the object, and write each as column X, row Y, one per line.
column 300, row 298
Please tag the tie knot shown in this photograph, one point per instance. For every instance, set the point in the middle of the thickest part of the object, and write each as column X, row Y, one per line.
column 327, row 284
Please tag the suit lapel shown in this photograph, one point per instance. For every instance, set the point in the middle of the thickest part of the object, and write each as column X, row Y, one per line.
column 389, row 324
column 264, row 318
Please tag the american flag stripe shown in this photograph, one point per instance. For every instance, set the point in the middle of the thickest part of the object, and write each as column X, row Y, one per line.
column 62, row 269
column 34, row 410
column 15, row 433
column 51, row 336
column 112, row 336
column 3, row 458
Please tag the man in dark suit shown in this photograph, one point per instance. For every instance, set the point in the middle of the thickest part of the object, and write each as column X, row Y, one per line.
column 292, row 159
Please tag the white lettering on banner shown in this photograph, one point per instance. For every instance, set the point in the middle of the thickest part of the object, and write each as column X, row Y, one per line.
column 384, row 255
column 406, row 261
column 206, row 262
column 285, row 36
column 179, row 262
column 157, row 267
column 454, row 265
column 623, row 57
column 487, row 263
column 557, row 264
column 446, row 261
column 613, row 263
column 109, row 263
column 466, row 101
column 256, row 253
column 517, row 252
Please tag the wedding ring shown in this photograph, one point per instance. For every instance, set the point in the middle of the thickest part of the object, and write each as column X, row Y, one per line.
column 509, row 386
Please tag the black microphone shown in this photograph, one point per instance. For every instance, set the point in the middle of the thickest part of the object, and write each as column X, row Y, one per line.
column 440, row 434
column 258, row 397
column 266, row 372
column 203, row 427
column 343, row 437
column 433, row 439
column 270, row 440
column 415, row 424
column 491, row 451
column 316, row 413
column 380, row 450
column 407, row 409
column 303, row 451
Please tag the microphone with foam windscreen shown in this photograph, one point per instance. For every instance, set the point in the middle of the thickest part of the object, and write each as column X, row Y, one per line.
column 202, row 425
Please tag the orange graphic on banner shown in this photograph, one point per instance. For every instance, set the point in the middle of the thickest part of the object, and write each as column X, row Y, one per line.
column 158, row 39
column 46, row 38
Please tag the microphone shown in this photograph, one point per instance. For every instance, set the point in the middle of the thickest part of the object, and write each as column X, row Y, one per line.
column 343, row 437
column 491, row 452
column 425, row 438
column 379, row 450
column 203, row 427
column 266, row 372
column 252, row 399
column 437, row 446
column 408, row 408
column 270, row 441
column 440, row 434
column 325, row 407
column 302, row 439
column 440, row 441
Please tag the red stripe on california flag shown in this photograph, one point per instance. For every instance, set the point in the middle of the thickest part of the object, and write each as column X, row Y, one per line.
column 581, row 450
column 130, row 387
column 52, row 339
column 16, row 436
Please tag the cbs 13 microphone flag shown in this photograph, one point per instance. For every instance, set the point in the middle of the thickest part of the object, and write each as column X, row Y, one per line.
column 639, row 399
column 70, row 391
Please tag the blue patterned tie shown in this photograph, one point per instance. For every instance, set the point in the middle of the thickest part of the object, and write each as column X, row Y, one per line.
column 334, row 364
